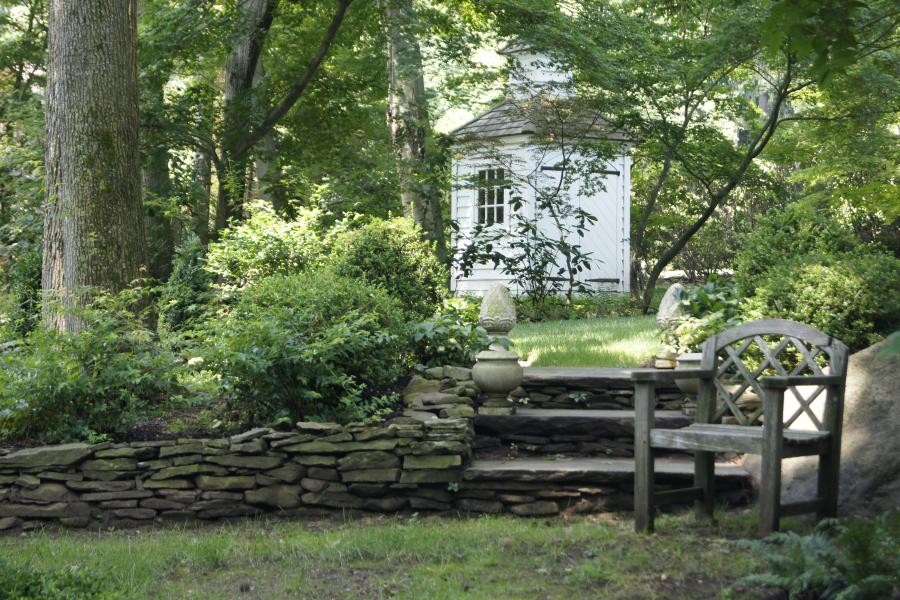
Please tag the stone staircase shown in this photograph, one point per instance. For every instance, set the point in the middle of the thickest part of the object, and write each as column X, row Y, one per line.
column 578, row 455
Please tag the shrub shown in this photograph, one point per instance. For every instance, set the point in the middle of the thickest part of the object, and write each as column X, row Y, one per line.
column 450, row 337
column 23, row 582
column 852, row 295
column 188, row 294
column 555, row 308
column 709, row 308
column 70, row 386
column 393, row 254
column 855, row 559
column 801, row 228
column 308, row 346
column 265, row 245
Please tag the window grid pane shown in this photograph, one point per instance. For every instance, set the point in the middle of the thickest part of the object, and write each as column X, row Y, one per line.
column 491, row 196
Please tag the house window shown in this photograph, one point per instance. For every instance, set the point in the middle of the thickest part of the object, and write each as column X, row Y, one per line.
column 492, row 190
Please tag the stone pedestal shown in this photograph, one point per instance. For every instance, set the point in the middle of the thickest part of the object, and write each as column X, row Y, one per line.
column 497, row 371
column 496, row 374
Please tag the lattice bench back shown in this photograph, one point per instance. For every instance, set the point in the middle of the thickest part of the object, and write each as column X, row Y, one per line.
column 744, row 354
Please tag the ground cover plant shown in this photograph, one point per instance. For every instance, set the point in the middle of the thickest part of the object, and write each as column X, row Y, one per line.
column 606, row 342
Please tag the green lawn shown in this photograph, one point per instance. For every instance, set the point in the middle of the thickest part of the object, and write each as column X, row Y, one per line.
column 393, row 557
column 604, row 342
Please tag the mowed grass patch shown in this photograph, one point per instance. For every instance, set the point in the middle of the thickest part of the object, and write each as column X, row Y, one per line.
column 617, row 342
column 433, row 558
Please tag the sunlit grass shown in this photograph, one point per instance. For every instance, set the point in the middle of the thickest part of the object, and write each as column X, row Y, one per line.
column 604, row 342
column 402, row 557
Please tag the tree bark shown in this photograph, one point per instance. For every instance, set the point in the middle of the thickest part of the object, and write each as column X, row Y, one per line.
column 93, row 216
column 158, row 188
column 407, row 118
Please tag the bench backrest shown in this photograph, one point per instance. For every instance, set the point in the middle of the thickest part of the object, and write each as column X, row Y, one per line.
column 741, row 356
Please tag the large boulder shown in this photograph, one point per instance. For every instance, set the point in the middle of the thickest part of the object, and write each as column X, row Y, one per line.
column 870, row 445
column 670, row 309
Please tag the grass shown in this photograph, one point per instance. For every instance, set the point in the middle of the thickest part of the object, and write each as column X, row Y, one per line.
column 604, row 342
column 393, row 557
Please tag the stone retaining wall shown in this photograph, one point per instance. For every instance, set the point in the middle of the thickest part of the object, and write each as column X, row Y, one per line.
column 403, row 463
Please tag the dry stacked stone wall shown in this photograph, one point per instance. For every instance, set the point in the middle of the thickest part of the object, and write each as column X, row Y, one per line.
column 403, row 463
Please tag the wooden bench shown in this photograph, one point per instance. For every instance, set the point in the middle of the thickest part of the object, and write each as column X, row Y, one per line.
column 771, row 358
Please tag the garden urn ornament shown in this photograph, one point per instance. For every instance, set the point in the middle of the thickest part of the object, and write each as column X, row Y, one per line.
column 497, row 371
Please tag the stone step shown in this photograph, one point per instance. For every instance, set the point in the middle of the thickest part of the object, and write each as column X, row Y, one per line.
column 578, row 377
column 594, row 388
column 595, row 471
column 547, row 422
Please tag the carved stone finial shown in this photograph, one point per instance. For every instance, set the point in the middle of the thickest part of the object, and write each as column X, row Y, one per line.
column 498, row 311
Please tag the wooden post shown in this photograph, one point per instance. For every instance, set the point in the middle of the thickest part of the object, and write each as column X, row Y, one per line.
column 644, row 401
column 772, row 450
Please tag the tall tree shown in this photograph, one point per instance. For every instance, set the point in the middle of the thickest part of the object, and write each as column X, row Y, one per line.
column 407, row 117
column 243, row 130
column 93, row 217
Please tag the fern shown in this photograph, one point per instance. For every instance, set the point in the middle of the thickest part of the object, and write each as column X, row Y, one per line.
column 841, row 560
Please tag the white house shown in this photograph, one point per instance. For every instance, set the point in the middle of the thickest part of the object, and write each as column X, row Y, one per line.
column 527, row 146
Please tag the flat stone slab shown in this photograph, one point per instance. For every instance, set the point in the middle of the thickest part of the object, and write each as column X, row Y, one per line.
column 562, row 421
column 582, row 377
column 591, row 470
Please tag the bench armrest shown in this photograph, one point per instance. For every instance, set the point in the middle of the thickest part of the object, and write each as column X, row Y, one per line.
column 669, row 375
column 782, row 382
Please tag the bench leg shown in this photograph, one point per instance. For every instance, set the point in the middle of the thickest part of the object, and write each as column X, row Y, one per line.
column 829, row 471
column 644, row 401
column 704, row 475
column 644, row 506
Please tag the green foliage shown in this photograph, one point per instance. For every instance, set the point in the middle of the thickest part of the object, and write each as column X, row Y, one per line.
column 717, row 294
column 854, row 559
column 186, row 297
column 392, row 254
column 264, row 245
column 24, row 285
column 309, row 346
column 824, row 30
column 450, row 337
column 850, row 295
column 21, row 581
column 72, row 386
column 801, row 228
column 709, row 308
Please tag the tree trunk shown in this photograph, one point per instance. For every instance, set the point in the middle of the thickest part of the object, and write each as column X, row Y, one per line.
column 93, row 216
column 240, row 68
column 407, row 117
column 158, row 189
column 202, row 190
column 268, row 168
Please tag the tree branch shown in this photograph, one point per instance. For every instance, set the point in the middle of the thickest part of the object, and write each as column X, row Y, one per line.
column 298, row 88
